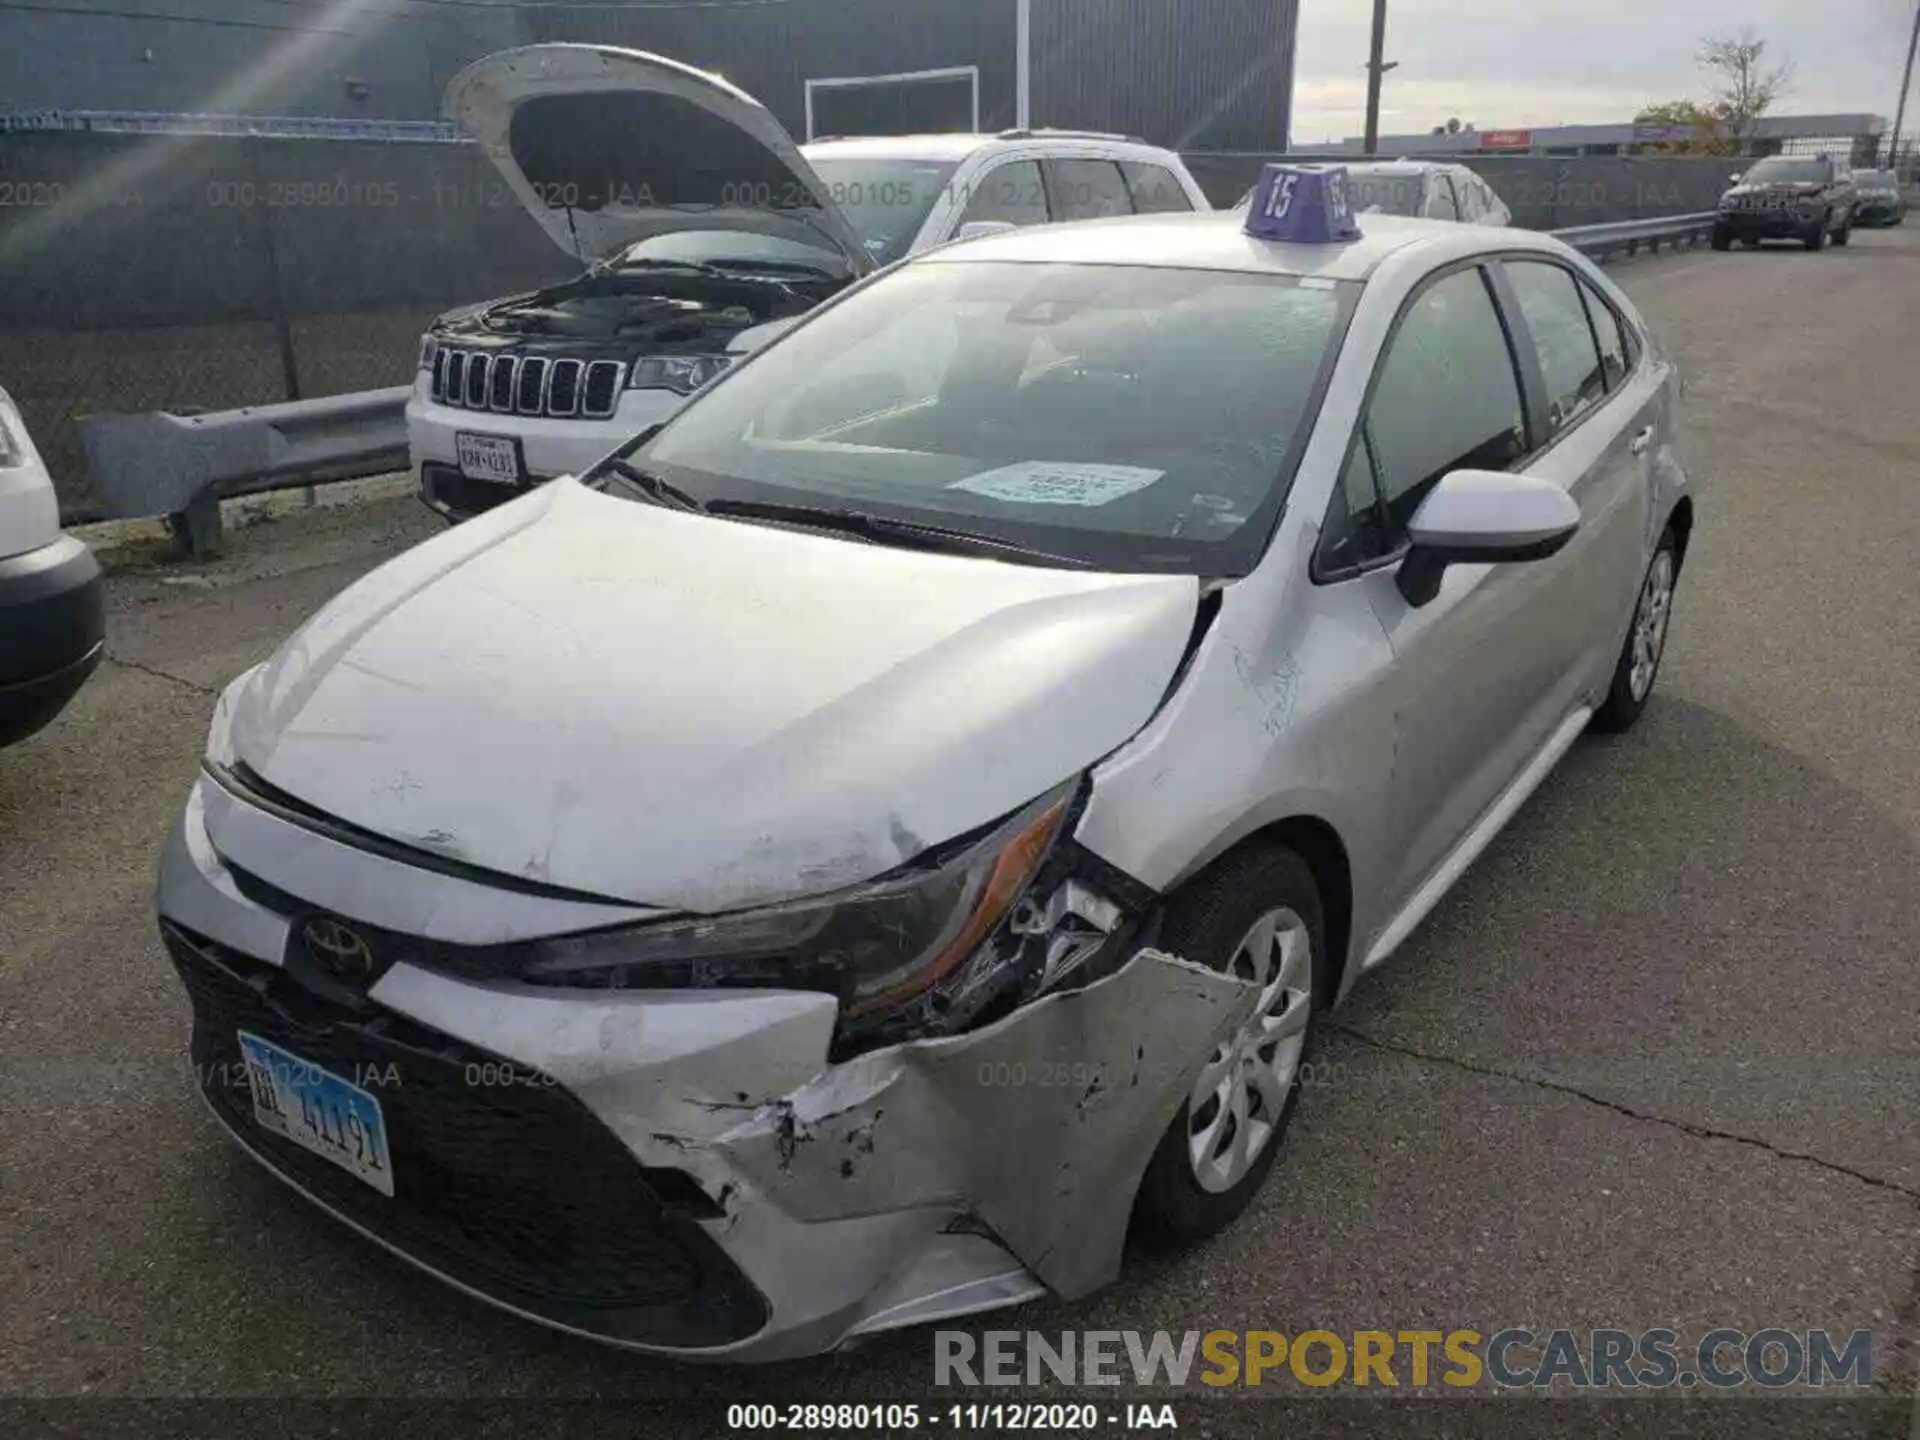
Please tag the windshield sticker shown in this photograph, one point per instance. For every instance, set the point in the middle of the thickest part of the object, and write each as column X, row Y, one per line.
column 1047, row 482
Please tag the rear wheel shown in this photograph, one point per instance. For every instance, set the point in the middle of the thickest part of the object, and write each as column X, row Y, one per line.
column 1255, row 915
column 1722, row 238
column 1844, row 233
column 1639, row 663
column 1817, row 240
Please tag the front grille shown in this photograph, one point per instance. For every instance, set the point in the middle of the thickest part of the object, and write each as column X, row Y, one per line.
column 510, row 1187
column 562, row 388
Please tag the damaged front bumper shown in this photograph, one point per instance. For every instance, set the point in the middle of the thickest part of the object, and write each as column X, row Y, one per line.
column 685, row 1172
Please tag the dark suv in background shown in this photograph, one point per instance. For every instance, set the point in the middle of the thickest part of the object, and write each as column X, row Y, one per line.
column 1789, row 197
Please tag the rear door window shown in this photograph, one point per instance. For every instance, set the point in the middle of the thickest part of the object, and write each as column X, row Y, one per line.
column 1012, row 193
column 1155, row 189
column 1089, row 189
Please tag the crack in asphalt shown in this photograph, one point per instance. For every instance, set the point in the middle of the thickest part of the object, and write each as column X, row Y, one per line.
column 159, row 674
column 1702, row 1132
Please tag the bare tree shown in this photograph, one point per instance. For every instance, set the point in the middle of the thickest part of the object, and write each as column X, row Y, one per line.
column 1745, row 86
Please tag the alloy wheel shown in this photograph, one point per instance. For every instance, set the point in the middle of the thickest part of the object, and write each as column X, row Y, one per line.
column 1650, row 624
column 1242, row 1090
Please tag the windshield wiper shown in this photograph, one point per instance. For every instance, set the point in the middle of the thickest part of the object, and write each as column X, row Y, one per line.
column 884, row 528
column 653, row 487
column 698, row 267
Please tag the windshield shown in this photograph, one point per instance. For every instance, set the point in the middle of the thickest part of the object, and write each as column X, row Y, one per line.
column 1877, row 182
column 1788, row 172
column 1131, row 418
column 885, row 201
column 719, row 247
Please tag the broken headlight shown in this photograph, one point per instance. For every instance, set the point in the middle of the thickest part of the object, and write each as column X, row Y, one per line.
column 682, row 374
column 879, row 947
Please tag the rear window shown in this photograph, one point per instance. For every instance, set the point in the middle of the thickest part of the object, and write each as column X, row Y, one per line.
column 1390, row 192
column 1136, row 418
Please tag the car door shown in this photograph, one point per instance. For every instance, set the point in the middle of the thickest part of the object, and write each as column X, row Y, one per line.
column 1600, row 420
column 1470, row 667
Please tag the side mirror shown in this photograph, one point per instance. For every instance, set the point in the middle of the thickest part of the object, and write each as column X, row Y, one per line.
column 1483, row 517
column 977, row 229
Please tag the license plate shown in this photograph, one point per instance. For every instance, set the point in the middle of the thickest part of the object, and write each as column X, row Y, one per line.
column 318, row 1111
column 488, row 457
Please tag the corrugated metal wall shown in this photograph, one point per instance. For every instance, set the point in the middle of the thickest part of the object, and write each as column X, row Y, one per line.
column 1192, row 74
column 256, row 57
column 1189, row 74
column 772, row 50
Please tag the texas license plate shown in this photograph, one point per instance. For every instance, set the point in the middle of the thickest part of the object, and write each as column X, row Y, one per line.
column 318, row 1111
column 488, row 457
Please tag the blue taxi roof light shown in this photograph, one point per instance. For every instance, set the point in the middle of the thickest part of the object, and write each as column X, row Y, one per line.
column 1303, row 205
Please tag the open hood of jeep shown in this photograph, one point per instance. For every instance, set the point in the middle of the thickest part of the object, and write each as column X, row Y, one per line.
column 606, row 147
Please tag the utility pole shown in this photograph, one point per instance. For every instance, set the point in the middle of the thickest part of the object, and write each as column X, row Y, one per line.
column 1906, row 82
column 1023, row 65
column 1376, row 68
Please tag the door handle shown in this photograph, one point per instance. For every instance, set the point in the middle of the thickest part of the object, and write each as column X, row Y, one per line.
column 1643, row 441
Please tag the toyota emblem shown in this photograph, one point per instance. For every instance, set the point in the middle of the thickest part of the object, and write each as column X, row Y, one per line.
column 340, row 951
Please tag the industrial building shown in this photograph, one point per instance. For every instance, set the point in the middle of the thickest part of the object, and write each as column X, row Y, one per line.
column 1191, row 74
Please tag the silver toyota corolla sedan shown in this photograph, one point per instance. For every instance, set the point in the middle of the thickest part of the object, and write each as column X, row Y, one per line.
column 865, row 848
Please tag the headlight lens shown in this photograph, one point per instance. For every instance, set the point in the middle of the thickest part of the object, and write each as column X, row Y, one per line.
column 878, row 947
column 682, row 374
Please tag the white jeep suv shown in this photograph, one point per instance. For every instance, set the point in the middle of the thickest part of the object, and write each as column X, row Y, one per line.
column 705, row 230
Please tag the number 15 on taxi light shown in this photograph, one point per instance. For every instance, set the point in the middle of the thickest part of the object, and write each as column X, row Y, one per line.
column 1280, row 198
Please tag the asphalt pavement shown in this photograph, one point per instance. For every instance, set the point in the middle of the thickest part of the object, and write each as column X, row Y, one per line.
column 1655, row 1062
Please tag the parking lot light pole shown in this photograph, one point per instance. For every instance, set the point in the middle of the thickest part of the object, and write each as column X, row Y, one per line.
column 1906, row 83
column 1376, row 68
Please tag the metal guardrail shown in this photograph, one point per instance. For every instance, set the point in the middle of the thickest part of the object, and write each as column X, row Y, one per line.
column 167, row 122
column 183, row 466
column 1629, row 236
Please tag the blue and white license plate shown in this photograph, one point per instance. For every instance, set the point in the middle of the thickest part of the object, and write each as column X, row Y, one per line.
column 318, row 1111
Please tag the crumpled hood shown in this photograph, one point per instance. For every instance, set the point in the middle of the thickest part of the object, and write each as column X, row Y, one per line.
column 699, row 714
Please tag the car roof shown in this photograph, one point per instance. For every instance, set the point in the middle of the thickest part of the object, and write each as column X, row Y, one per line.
column 915, row 147
column 956, row 146
column 1218, row 241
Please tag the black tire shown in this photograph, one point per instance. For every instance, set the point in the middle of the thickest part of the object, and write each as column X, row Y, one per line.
column 1844, row 233
column 1752, row 242
column 1722, row 238
column 1818, row 239
column 1205, row 922
column 1622, row 707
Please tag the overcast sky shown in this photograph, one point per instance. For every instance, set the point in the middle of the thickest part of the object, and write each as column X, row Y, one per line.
column 1515, row 63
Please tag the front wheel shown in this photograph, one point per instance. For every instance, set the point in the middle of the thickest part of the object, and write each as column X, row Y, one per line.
column 1844, row 233
column 1255, row 915
column 1639, row 663
column 1818, row 239
column 1722, row 238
